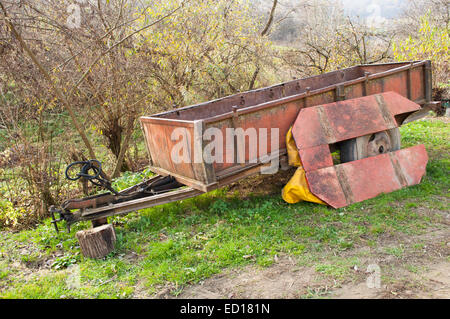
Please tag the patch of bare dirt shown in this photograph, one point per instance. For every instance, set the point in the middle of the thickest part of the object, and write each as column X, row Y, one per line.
column 436, row 215
column 284, row 279
column 428, row 275
column 433, row 282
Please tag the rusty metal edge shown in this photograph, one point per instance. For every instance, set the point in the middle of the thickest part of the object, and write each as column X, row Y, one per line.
column 183, row 179
column 248, row 92
column 250, row 109
column 405, row 63
column 141, row 203
column 426, row 108
column 158, row 120
column 146, row 143
column 222, row 179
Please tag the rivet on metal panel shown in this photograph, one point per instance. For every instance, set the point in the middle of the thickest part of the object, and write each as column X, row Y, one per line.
column 242, row 100
column 308, row 90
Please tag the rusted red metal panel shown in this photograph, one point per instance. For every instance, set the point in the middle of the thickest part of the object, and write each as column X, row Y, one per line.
column 340, row 185
column 317, row 99
column 339, row 121
column 160, row 145
column 316, row 157
column 354, row 91
column 262, row 123
column 324, row 183
column 356, row 117
column 417, row 91
column 413, row 162
column 396, row 83
column 383, row 67
column 353, row 182
column 369, row 177
column 307, row 129
column 398, row 104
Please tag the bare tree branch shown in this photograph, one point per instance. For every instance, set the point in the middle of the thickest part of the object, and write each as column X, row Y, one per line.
column 46, row 75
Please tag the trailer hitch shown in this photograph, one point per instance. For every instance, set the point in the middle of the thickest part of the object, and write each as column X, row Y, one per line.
column 104, row 203
column 63, row 216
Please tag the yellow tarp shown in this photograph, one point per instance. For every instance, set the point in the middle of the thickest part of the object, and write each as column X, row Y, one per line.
column 297, row 188
column 293, row 156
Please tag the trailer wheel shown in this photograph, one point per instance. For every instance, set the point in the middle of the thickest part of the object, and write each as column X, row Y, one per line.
column 370, row 145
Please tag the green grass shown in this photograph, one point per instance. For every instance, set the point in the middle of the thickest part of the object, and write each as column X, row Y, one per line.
column 338, row 267
column 185, row 242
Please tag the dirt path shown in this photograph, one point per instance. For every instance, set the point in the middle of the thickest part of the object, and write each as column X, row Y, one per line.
column 419, row 271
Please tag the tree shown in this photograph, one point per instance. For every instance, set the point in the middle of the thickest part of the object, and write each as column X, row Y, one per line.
column 107, row 63
column 328, row 39
column 431, row 42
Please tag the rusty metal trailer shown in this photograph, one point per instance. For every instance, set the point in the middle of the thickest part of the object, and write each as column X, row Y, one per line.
column 275, row 106
column 407, row 86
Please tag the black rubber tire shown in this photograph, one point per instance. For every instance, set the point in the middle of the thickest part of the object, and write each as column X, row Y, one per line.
column 358, row 148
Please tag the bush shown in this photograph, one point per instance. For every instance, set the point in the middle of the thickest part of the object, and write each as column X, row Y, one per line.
column 431, row 43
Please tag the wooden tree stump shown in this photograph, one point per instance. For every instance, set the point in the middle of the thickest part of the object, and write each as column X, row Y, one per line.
column 97, row 242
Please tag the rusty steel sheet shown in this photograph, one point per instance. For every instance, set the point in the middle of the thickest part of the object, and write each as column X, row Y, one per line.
column 339, row 121
column 316, row 128
column 356, row 181
column 278, row 107
column 316, row 157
